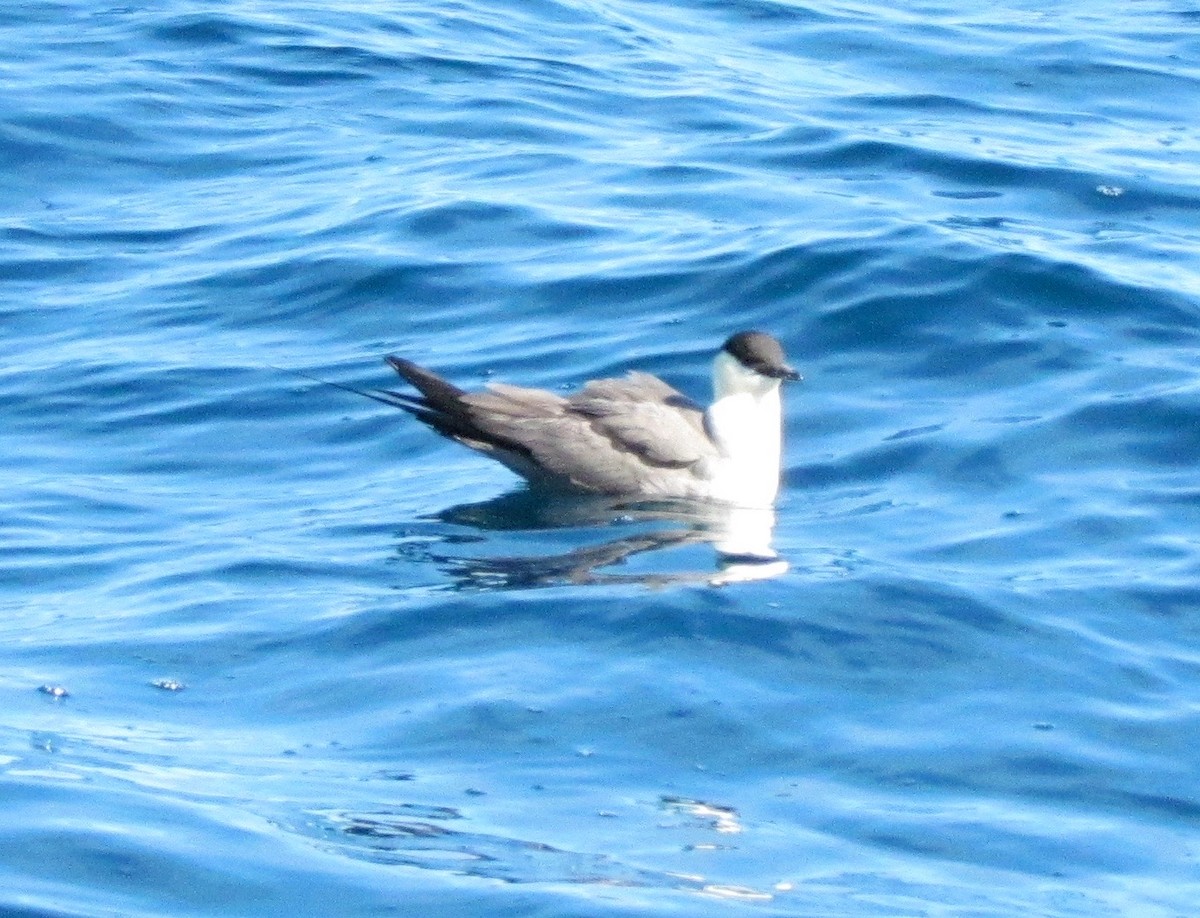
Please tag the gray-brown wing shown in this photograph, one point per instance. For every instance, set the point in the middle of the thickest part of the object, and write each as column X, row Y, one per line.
column 629, row 435
column 548, row 439
column 642, row 414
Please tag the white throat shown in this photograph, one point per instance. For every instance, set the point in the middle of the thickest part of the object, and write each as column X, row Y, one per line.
column 745, row 421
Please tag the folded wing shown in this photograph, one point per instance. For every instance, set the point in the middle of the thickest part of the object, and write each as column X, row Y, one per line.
column 633, row 435
column 641, row 414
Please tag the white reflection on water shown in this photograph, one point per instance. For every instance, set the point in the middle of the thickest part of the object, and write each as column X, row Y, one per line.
column 741, row 539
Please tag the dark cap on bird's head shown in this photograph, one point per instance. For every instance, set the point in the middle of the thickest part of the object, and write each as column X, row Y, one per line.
column 761, row 353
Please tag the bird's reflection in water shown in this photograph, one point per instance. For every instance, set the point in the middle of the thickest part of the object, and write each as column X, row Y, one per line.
column 740, row 538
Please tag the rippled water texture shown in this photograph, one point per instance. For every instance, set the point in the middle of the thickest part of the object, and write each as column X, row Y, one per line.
column 271, row 648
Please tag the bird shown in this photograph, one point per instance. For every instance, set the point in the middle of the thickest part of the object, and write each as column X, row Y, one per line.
column 632, row 436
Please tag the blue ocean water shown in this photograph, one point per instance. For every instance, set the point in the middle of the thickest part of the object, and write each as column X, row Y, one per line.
column 269, row 648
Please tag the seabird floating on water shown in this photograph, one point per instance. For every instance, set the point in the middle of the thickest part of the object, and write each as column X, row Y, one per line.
column 630, row 436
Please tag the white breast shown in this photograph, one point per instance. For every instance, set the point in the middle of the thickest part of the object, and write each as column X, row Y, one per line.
column 745, row 421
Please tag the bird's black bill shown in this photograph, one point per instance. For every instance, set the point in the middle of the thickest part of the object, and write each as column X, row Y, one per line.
column 785, row 373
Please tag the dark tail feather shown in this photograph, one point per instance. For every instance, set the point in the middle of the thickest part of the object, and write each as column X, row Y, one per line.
column 395, row 399
column 440, row 394
column 440, row 405
column 443, row 408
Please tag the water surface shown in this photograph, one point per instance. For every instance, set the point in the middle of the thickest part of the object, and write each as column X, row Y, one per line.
column 269, row 648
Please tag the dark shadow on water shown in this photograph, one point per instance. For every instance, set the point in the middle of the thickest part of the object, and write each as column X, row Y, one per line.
column 596, row 534
column 438, row 839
